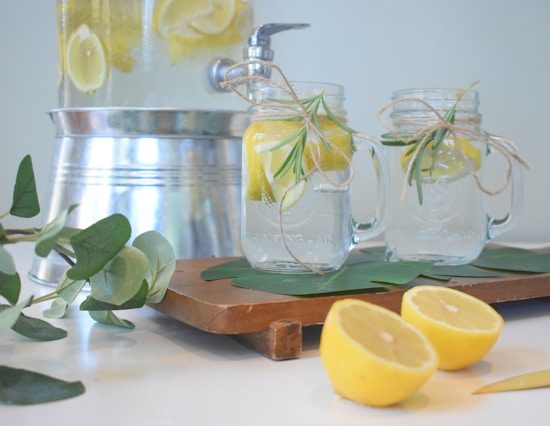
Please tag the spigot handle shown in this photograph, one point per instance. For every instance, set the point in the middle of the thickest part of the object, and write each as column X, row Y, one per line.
column 262, row 34
column 259, row 49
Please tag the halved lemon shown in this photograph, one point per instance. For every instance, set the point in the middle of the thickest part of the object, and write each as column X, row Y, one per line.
column 461, row 327
column 455, row 158
column 371, row 355
column 218, row 20
column 174, row 16
column 86, row 64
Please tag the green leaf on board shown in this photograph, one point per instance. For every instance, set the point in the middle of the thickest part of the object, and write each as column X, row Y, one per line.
column 109, row 318
column 137, row 301
column 10, row 314
column 344, row 280
column 463, row 271
column 233, row 269
column 10, row 287
column 121, row 278
column 25, row 199
column 7, row 266
column 36, row 329
column 24, row 387
column 513, row 259
column 436, row 277
column 98, row 244
column 241, row 267
column 397, row 273
column 2, row 233
column 162, row 263
column 49, row 234
column 57, row 309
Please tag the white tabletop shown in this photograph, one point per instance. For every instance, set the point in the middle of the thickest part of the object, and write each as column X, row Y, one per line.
column 166, row 373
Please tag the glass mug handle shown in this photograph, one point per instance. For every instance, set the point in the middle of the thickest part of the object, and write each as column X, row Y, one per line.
column 507, row 222
column 375, row 225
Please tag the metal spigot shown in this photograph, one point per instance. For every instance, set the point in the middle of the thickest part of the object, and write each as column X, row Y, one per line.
column 259, row 48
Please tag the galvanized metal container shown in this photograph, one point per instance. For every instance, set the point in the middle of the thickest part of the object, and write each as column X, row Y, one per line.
column 174, row 171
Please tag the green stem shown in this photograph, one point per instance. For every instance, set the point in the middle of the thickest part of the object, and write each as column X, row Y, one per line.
column 23, row 238
column 45, row 298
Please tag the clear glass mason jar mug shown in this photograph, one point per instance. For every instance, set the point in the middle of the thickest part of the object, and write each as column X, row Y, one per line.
column 147, row 53
column 450, row 225
column 296, row 198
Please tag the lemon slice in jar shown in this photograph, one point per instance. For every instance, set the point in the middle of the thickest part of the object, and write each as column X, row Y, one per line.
column 174, row 16
column 455, row 158
column 285, row 188
column 218, row 20
column 373, row 356
column 86, row 63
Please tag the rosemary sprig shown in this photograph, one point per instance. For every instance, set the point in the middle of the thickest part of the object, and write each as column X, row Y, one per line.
column 434, row 138
column 295, row 158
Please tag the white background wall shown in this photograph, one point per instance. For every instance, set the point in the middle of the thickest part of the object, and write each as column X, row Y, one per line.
column 371, row 47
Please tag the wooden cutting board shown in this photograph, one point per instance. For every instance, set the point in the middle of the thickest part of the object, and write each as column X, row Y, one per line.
column 272, row 324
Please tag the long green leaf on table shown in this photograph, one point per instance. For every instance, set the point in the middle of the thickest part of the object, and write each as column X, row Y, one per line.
column 513, row 259
column 98, row 244
column 532, row 380
column 10, row 287
column 37, row 329
column 109, row 318
column 10, row 314
column 2, row 232
column 49, row 234
column 137, row 301
column 121, row 278
column 24, row 387
column 162, row 263
column 25, row 199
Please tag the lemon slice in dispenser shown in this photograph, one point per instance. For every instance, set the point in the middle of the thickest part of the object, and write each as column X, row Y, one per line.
column 218, row 20
column 86, row 63
column 173, row 16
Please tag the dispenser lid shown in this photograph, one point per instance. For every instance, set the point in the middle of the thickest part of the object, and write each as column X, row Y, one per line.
column 157, row 122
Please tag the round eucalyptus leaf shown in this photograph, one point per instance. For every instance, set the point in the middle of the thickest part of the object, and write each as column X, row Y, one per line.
column 121, row 278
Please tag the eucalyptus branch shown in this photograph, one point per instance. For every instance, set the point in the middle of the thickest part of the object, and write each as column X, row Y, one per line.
column 149, row 264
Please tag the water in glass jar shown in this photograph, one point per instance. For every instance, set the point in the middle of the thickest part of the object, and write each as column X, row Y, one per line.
column 317, row 226
column 147, row 53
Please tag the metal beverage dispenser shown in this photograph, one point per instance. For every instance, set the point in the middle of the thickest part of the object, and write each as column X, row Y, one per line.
column 143, row 127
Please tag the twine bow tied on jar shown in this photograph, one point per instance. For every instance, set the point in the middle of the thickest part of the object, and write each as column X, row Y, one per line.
column 434, row 130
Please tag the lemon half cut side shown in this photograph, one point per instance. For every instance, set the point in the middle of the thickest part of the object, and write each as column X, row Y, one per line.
column 372, row 356
column 86, row 63
column 461, row 327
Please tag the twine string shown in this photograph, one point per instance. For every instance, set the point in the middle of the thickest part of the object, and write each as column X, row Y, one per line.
column 429, row 127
